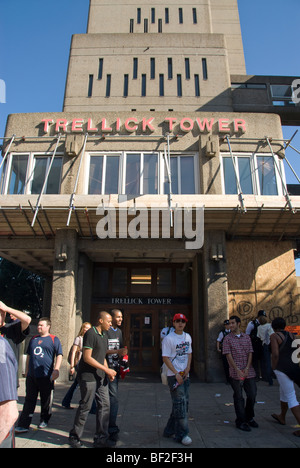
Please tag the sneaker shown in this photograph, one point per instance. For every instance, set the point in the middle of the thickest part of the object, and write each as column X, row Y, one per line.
column 43, row 425
column 108, row 443
column 244, row 427
column 253, row 424
column 21, row 430
column 186, row 440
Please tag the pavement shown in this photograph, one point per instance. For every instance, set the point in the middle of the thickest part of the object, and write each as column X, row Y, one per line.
column 145, row 406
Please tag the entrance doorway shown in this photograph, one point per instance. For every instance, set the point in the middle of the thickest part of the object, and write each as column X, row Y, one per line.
column 140, row 332
column 148, row 296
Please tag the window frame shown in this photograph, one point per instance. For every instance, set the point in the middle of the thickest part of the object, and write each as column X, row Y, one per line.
column 162, row 174
column 31, row 162
column 254, row 172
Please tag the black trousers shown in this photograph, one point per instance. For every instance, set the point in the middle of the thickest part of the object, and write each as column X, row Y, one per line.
column 34, row 387
column 244, row 413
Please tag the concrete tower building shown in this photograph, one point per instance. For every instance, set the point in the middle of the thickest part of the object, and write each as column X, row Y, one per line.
column 160, row 188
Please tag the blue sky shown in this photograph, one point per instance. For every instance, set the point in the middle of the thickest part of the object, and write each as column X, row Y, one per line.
column 35, row 40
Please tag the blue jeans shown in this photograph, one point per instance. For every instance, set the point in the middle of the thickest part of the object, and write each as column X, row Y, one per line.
column 114, row 406
column 178, row 421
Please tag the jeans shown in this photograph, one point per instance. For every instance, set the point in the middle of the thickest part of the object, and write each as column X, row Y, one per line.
column 90, row 390
column 178, row 421
column 244, row 414
column 114, row 405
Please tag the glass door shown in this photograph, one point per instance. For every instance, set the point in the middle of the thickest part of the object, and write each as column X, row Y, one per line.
column 143, row 342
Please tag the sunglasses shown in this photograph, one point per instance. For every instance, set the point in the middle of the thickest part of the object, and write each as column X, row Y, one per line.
column 180, row 321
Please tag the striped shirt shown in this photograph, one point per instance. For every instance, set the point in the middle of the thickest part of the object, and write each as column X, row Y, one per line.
column 8, row 372
column 239, row 346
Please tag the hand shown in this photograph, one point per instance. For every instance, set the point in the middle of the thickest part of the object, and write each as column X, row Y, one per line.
column 72, row 370
column 179, row 379
column 122, row 352
column 241, row 374
column 55, row 375
column 111, row 374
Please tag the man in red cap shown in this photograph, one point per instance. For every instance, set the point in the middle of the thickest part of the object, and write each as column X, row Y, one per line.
column 177, row 355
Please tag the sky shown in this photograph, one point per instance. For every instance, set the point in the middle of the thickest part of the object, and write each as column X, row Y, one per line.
column 35, row 42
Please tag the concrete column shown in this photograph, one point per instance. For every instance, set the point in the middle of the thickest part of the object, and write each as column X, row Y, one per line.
column 216, row 299
column 64, row 294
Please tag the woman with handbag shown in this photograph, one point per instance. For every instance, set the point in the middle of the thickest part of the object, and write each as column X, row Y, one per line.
column 74, row 357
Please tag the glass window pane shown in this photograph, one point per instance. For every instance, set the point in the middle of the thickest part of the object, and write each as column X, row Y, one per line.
column 183, row 281
column 133, row 171
column 229, row 177
column 112, row 175
column 174, row 177
column 119, row 282
column 187, row 175
column 17, row 180
column 101, row 282
column 164, row 280
column 150, row 175
column 245, row 175
column 267, row 176
column 40, row 172
column 96, row 170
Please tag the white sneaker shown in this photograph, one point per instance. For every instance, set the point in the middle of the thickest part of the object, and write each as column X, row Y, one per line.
column 186, row 440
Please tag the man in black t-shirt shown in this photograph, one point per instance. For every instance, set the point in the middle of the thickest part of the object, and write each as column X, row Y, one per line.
column 93, row 374
column 115, row 352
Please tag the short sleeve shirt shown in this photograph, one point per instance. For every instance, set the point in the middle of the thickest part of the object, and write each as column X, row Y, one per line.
column 98, row 343
column 42, row 352
column 14, row 335
column 115, row 341
column 177, row 348
column 8, row 372
column 239, row 346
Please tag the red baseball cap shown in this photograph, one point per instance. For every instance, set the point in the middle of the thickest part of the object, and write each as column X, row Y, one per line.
column 180, row 317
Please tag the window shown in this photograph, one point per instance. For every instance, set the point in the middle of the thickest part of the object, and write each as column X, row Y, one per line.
column 183, row 175
column 144, row 85
column 170, row 69
column 90, row 87
column 153, row 15
column 131, row 27
column 257, row 174
column 152, row 68
column 141, row 173
column 100, row 70
column 104, row 175
column 160, row 25
column 282, row 95
column 195, row 21
column 108, row 85
column 135, row 68
column 187, row 69
column 41, row 167
column 204, row 69
column 167, row 16
column 161, row 85
column 179, row 86
column 197, row 86
column 139, row 16
column 125, row 91
column 180, row 14
column 26, row 174
column 145, row 25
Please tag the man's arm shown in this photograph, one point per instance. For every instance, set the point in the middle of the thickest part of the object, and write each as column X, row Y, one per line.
column 88, row 359
column 8, row 416
column 17, row 314
column 233, row 365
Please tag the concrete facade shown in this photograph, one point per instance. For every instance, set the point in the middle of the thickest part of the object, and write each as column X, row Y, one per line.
column 110, row 153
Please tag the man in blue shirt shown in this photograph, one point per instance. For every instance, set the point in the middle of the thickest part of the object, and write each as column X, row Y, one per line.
column 8, row 394
column 42, row 369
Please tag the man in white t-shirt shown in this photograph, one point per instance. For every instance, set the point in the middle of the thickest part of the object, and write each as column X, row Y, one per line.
column 177, row 355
